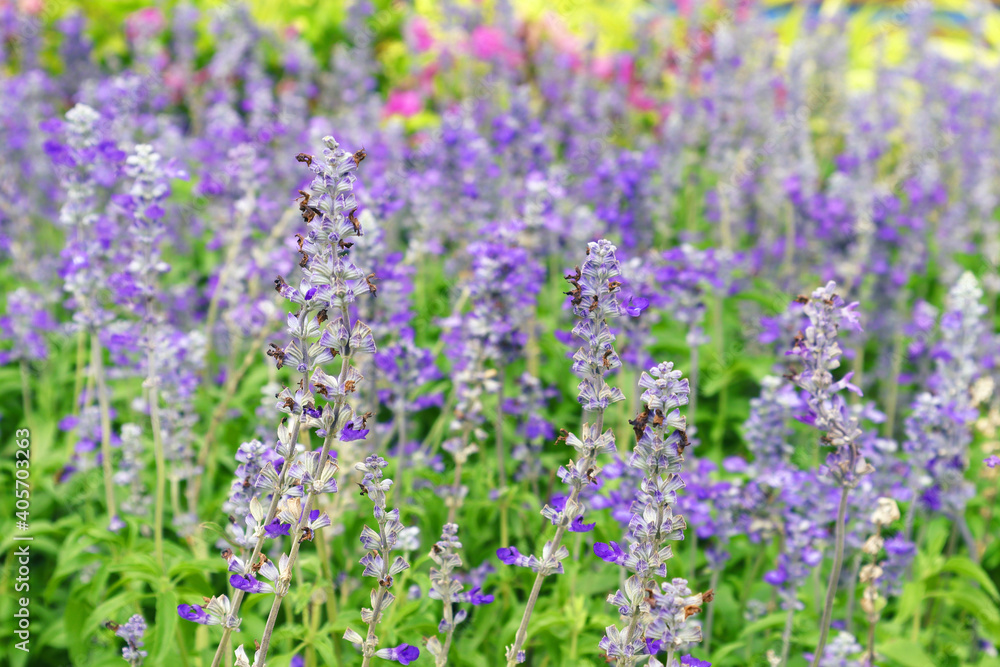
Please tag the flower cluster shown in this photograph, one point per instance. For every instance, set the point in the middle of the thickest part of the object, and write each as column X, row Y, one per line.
column 292, row 477
column 819, row 351
column 132, row 632
column 379, row 545
column 446, row 587
column 593, row 301
column 659, row 455
column 938, row 430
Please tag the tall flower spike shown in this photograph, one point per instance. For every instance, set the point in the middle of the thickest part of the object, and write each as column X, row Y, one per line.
column 132, row 633
column 938, row 431
column 594, row 302
column 331, row 284
column 659, row 456
column 321, row 329
column 818, row 349
column 446, row 587
column 379, row 545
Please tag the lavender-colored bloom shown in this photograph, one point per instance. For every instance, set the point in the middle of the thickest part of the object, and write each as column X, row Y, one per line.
column 658, row 454
column 938, row 431
column 252, row 457
column 819, row 350
column 25, row 325
column 378, row 565
column 132, row 633
column 593, row 300
column 767, row 431
column 839, row 651
column 446, row 587
column 350, row 434
column 404, row 654
column 671, row 625
column 129, row 473
column 691, row 661
column 215, row 612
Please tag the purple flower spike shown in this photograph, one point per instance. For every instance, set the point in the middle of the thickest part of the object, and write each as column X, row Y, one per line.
column 993, row 461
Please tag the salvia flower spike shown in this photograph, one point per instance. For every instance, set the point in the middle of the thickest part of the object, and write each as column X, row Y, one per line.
column 446, row 587
column 594, row 302
column 659, row 456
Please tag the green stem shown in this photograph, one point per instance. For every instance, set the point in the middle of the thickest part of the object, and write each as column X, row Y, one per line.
column 161, row 464
column 831, row 587
column 81, row 363
column 786, row 636
column 297, row 539
column 26, row 391
column 710, row 612
column 571, row 502
column 104, row 403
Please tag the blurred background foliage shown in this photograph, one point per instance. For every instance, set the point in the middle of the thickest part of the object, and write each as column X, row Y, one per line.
column 320, row 22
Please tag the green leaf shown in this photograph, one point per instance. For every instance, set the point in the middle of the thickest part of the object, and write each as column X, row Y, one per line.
column 906, row 653
column 770, row 621
column 976, row 603
column 720, row 654
column 965, row 567
column 913, row 595
column 164, row 637
column 108, row 610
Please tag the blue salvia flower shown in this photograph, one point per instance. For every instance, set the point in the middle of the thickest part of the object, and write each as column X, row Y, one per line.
column 530, row 405
column 379, row 546
column 252, row 457
column 819, row 350
column 79, row 154
column 25, row 325
column 838, row 653
column 446, row 587
column 802, row 514
column 129, row 473
column 938, row 432
column 672, row 627
column 331, row 284
column 320, row 330
column 132, row 632
column 767, row 431
column 594, row 302
column 659, row 455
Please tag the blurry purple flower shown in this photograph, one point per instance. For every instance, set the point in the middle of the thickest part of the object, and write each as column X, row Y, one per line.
column 404, row 654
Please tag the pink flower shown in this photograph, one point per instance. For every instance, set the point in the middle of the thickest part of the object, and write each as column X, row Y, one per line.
column 144, row 23
column 603, row 67
column 406, row 103
column 420, row 34
column 487, row 43
column 640, row 100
